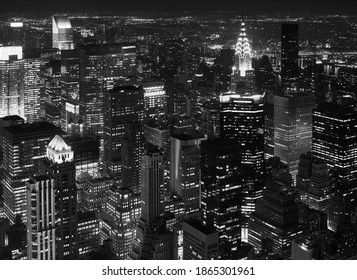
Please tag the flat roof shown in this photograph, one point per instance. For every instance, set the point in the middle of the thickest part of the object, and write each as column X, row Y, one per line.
column 32, row 128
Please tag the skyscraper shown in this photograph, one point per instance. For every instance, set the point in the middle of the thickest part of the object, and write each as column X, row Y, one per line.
column 221, row 192
column 269, row 125
column 314, row 183
column 227, row 62
column 123, row 106
column 11, row 80
column 243, row 61
column 242, row 69
column 242, row 120
column 59, row 163
column 155, row 101
column 23, row 148
column 185, row 172
column 16, row 34
column 153, row 240
column 32, row 88
column 289, row 56
column 334, row 141
column 41, row 224
column 293, row 128
column 132, row 152
column 103, row 67
column 62, row 33
column 72, row 109
column 152, row 185
column 120, row 219
column 276, row 217
column 242, row 116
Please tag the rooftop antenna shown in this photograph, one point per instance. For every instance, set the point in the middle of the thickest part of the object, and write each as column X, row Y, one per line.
column 242, row 13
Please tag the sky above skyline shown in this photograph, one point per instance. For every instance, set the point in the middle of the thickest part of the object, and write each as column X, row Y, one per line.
column 251, row 6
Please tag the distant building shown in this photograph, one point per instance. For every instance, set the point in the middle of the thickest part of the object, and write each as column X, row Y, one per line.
column 227, row 61
column 289, row 56
column 242, row 69
column 62, row 33
column 155, row 101
column 11, row 79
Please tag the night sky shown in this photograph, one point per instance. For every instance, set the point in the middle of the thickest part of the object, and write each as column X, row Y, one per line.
column 251, row 6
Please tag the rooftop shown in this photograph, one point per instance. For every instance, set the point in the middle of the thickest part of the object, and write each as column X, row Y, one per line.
column 200, row 227
column 125, row 88
column 33, row 128
column 62, row 22
column 12, row 118
column 58, row 144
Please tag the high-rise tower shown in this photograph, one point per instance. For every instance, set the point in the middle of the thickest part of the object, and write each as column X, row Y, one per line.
column 185, row 172
column 221, row 192
column 276, row 217
column 62, row 33
column 293, row 128
column 41, row 225
column 23, row 147
column 334, row 140
column 123, row 107
column 101, row 68
column 289, row 56
column 242, row 120
column 242, row 69
column 11, row 80
column 59, row 163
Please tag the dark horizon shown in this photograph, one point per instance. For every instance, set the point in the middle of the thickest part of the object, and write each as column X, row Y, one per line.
column 254, row 7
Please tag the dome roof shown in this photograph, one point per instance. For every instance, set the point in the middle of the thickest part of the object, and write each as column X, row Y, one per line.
column 58, row 144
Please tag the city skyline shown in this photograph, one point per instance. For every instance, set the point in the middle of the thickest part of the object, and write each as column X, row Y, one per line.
column 176, row 136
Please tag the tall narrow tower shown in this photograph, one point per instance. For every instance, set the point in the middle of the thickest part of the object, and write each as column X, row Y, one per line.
column 61, row 166
column 242, row 68
column 41, row 224
column 289, row 56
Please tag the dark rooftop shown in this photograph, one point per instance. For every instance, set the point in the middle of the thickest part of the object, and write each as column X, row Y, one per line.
column 38, row 178
column 12, row 118
column 126, row 88
column 32, row 128
column 199, row 226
